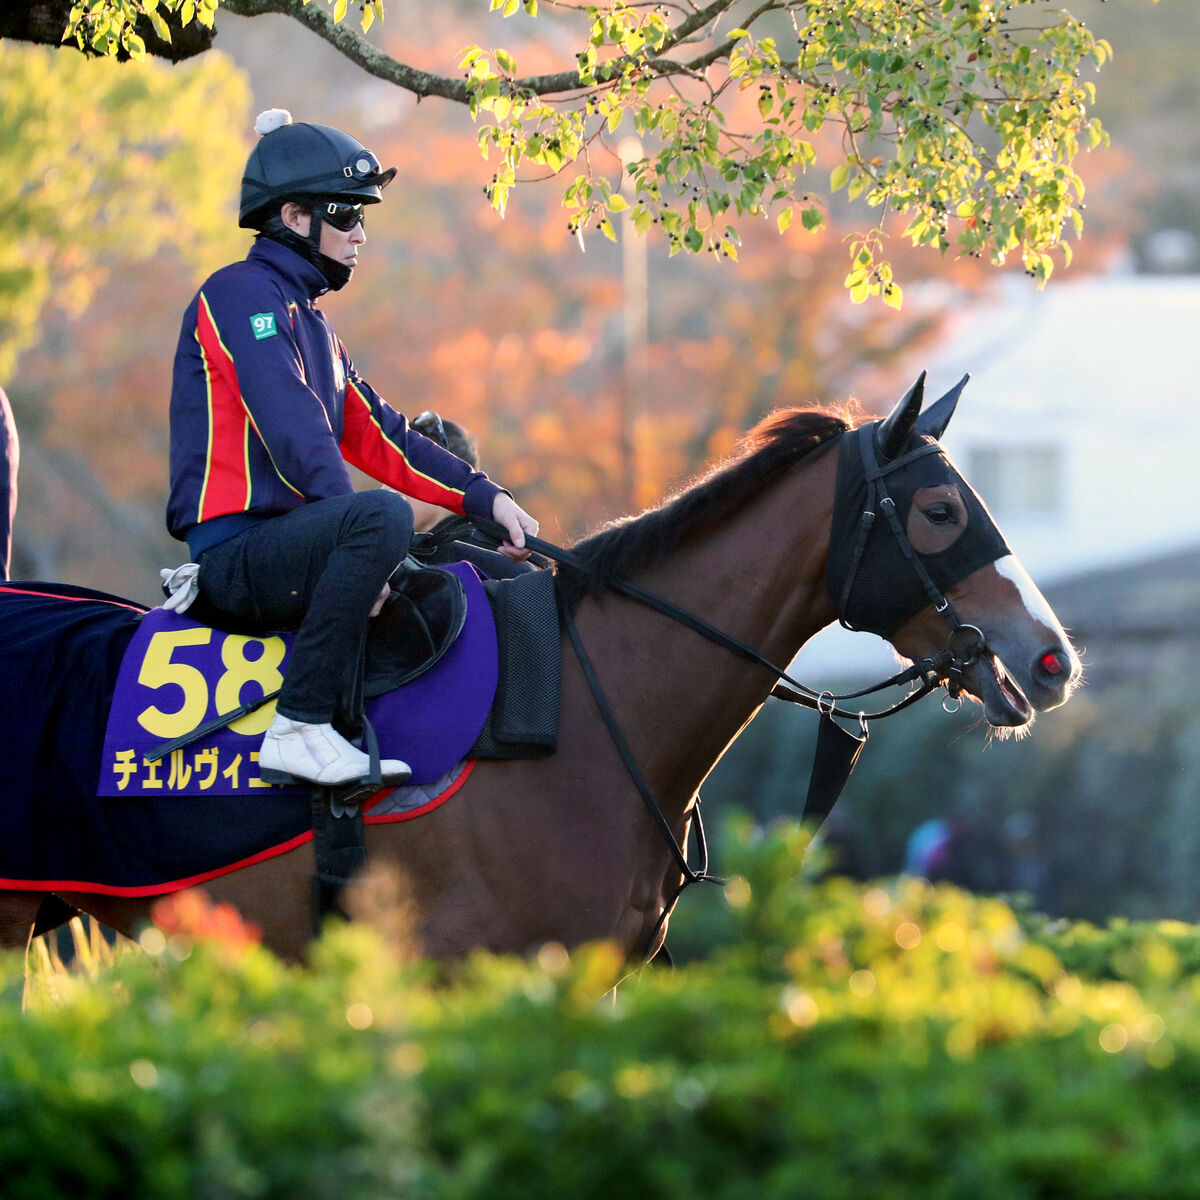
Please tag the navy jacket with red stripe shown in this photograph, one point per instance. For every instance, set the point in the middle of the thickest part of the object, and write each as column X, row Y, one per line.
column 267, row 409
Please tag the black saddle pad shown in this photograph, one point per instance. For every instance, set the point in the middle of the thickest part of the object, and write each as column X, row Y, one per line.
column 523, row 722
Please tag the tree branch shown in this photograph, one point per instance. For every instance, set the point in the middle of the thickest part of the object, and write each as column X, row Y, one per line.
column 345, row 39
column 43, row 22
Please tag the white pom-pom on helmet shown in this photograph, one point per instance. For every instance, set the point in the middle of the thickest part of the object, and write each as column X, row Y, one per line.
column 298, row 161
column 271, row 120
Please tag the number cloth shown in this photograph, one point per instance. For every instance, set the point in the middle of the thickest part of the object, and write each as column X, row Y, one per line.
column 178, row 674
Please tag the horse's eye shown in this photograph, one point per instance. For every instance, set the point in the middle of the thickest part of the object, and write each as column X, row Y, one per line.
column 940, row 514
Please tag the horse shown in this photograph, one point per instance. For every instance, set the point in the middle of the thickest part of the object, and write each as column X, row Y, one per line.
column 814, row 518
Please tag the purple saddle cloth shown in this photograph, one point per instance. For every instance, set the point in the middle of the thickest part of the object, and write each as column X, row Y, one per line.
column 177, row 674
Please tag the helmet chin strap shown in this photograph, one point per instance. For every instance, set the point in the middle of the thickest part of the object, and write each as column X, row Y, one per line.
column 336, row 274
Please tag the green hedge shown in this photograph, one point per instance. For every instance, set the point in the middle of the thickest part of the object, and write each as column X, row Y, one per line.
column 886, row 1040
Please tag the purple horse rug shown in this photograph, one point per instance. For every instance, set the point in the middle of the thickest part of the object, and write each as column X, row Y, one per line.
column 82, row 810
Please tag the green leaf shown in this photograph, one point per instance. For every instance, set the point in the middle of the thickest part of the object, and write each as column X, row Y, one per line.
column 838, row 177
column 784, row 219
column 617, row 203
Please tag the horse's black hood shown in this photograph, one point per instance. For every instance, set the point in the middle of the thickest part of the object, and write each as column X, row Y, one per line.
column 885, row 590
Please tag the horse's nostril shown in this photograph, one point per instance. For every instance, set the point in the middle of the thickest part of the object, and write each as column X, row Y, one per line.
column 1054, row 663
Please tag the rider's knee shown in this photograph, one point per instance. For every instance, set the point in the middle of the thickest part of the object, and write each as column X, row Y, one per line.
column 387, row 515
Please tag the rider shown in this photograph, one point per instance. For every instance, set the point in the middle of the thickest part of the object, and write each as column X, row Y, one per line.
column 266, row 410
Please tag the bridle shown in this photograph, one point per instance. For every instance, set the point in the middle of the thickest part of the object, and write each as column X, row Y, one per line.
column 963, row 648
column 966, row 642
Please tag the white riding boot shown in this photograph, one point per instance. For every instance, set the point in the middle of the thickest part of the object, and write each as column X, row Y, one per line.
column 294, row 750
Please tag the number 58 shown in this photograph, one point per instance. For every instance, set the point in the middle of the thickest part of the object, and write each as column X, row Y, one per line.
column 159, row 669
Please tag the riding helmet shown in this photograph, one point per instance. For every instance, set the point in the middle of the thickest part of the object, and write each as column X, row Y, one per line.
column 295, row 161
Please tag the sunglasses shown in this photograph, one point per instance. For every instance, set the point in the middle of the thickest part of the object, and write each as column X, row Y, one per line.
column 342, row 216
column 429, row 424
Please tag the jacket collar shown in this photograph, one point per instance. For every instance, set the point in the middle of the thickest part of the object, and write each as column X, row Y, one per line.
column 298, row 272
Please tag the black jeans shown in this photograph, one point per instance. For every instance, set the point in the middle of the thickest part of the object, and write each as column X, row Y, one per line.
column 318, row 569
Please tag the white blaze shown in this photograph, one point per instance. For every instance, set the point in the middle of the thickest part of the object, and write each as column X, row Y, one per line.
column 1035, row 603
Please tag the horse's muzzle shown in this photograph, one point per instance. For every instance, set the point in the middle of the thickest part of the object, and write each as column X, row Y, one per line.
column 1013, row 690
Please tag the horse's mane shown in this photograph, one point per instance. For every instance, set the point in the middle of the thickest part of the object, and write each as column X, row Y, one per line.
column 630, row 544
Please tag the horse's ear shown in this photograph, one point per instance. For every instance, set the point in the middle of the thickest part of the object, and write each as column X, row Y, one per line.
column 892, row 433
column 936, row 417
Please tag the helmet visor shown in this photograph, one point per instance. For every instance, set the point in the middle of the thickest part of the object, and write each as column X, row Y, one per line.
column 363, row 167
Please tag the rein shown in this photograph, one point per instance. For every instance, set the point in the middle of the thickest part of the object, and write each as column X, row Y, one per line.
column 930, row 670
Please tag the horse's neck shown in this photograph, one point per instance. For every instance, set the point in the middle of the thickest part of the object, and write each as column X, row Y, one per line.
column 758, row 577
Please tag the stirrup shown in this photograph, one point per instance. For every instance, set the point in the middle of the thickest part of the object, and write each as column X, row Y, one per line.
column 373, row 780
column 374, row 776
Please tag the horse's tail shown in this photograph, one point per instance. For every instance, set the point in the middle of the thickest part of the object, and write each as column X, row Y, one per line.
column 10, row 456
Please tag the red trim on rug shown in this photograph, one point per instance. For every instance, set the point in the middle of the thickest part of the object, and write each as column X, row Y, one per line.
column 137, row 608
column 178, row 885
column 439, row 799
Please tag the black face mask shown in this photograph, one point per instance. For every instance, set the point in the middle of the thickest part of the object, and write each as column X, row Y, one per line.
column 885, row 588
column 336, row 274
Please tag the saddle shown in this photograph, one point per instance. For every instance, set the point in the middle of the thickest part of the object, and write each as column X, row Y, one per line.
column 418, row 623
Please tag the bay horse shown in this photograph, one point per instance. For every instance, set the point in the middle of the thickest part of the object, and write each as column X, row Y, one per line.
column 769, row 548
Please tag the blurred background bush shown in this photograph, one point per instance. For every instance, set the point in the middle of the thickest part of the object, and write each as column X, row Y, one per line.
column 842, row 1040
